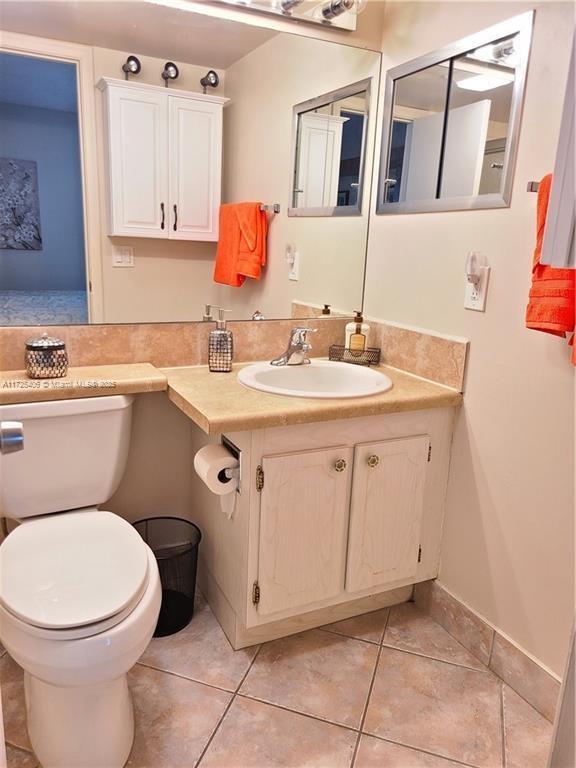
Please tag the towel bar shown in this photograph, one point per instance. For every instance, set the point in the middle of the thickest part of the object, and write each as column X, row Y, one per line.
column 274, row 208
column 533, row 186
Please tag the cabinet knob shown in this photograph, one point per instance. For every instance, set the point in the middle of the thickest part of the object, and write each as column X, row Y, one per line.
column 340, row 465
column 373, row 461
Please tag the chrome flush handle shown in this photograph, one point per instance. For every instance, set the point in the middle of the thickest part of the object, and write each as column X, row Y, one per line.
column 11, row 436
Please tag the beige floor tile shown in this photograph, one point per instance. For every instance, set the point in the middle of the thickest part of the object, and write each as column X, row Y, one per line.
column 12, row 687
column 257, row 735
column 375, row 753
column 318, row 673
column 18, row 758
column 201, row 652
column 369, row 626
column 437, row 707
column 411, row 629
column 174, row 718
column 527, row 734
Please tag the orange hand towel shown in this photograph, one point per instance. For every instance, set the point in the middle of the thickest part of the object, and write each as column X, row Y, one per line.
column 552, row 302
column 241, row 249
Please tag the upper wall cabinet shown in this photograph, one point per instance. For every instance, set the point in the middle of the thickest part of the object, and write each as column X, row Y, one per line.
column 452, row 122
column 164, row 161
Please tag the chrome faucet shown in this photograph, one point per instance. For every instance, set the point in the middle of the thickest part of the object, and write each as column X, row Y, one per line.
column 297, row 348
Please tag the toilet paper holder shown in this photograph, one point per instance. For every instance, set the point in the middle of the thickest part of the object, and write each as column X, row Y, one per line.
column 233, row 473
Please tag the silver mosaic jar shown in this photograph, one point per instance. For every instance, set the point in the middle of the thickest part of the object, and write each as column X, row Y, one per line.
column 46, row 358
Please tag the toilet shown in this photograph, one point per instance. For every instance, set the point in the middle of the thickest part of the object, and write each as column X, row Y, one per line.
column 79, row 589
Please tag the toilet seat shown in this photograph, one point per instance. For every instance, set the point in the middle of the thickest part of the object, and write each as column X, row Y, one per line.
column 73, row 574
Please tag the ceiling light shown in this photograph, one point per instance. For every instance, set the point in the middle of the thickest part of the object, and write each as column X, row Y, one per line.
column 485, row 82
column 170, row 72
column 131, row 66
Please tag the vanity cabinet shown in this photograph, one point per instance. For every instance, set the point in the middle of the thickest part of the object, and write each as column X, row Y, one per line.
column 164, row 161
column 333, row 519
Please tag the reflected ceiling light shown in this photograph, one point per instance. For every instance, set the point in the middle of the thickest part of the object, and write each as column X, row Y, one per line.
column 502, row 53
column 131, row 66
column 170, row 72
column 210, row 80
column 485, row 82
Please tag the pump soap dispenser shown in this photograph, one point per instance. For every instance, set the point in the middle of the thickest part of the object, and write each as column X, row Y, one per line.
column 220, row 345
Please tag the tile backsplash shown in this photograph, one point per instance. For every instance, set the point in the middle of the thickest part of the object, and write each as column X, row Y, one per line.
column 432, row 356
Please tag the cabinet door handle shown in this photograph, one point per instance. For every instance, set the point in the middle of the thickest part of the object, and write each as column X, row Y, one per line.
column 373, row 461
column 340, row 465
column 163, row 216
column 175, row 217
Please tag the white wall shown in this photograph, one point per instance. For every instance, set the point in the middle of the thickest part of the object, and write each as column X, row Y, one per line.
column 264, row 86
column 508, row 540
column 50, row 137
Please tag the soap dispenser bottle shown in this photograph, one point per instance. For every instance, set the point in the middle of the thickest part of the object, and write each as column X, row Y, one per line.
column 356, row 334
column 220, row 345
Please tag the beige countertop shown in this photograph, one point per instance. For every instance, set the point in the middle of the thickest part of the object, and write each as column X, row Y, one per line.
column 217, row 402
column 90, row 381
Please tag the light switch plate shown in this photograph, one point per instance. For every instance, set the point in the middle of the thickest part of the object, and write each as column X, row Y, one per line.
column 475, row 295
column 294, row 273
column 122, row 256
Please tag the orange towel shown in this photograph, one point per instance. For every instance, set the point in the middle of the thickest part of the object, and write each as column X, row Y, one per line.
column 241, row 249
column 552, row 302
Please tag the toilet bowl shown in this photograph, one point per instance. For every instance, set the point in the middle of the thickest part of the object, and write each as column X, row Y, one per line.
column 79, row 589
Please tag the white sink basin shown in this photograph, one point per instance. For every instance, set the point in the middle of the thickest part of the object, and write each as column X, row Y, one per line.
column 321, row 379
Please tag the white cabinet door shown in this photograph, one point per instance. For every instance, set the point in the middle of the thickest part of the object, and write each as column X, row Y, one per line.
column 138, row 141
column 386, row 512
column 195, row 168
column 303, row 529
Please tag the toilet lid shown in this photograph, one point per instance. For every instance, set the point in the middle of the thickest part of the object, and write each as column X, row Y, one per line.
column 72, row 569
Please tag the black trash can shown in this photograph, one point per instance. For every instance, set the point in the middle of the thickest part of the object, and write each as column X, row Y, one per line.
column 175, row 544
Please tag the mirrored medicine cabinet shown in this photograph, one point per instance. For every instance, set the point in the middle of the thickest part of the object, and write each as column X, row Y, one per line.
column 452, row 122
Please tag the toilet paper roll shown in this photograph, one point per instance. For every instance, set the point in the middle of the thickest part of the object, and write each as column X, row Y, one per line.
column 210, row 464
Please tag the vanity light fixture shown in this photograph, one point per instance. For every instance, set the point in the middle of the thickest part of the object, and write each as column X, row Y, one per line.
column 485, row 82
column 336, row 8
column 131, row 66
column 210, row 80
column 170, row 72
column 287, row 6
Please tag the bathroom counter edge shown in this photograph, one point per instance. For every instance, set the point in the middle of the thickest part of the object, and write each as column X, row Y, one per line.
column 88, row 381
column 217, row 402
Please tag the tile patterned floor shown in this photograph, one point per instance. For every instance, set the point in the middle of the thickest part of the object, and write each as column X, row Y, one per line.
column 390, row 689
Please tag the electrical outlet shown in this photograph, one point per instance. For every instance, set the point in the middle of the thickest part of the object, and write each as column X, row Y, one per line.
column 475, row 293
column 122, row 256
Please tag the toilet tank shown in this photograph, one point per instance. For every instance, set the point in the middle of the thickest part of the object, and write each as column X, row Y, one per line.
column 74, row 455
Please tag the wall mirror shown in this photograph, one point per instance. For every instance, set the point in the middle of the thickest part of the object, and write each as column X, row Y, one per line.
column 329, row 142
column 452, row 121
column 75, row 271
